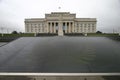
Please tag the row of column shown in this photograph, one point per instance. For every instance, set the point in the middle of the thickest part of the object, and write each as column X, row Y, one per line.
column 53, row 26
column 69, row 27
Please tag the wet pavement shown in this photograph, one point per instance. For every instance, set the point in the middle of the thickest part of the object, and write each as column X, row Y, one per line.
column 59, row 78
column 61, row 55
column 3, row 43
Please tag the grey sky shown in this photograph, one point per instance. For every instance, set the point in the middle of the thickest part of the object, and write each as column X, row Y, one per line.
column 13, row 12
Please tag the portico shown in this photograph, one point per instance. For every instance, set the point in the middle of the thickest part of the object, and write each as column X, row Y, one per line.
column 66, row 27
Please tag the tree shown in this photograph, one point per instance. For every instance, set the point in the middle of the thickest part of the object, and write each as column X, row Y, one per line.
column 20, row 32
column 14, row 32
column 99, row 32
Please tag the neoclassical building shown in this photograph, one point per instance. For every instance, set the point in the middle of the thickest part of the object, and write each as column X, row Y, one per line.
column 60, row 23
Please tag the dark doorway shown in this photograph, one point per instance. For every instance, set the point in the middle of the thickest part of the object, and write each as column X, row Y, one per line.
column 64, row 31
column 56, row 31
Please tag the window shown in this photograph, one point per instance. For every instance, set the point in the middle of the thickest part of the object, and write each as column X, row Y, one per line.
column 80, row 25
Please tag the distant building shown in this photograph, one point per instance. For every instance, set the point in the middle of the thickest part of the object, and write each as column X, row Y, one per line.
column 60, row 22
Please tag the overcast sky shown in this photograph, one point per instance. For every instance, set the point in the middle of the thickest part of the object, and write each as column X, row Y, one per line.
column 13, row 12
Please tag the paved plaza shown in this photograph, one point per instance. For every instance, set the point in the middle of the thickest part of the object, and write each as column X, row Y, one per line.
column 59, row 78
column 2, row 43
column 61, row 55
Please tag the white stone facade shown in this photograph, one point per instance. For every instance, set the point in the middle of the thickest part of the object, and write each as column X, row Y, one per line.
column 58, row 22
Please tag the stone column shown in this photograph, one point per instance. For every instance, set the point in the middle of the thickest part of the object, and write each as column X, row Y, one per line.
column 47, row 27
column 54, row 27
column 72, row 27
column 50, row 27
column 69, row 28
column 65, row 27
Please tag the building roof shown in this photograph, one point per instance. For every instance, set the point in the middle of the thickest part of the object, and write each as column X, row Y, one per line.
column 34, row 19
column 56, row 16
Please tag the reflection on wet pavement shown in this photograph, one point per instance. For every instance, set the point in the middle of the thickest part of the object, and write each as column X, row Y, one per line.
column 61, row 54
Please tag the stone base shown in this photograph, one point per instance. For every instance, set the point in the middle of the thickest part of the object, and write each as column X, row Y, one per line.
column 85, row 34
column 60, row 33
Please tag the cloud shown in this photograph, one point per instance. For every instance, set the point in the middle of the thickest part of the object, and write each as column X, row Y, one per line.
column 0, row 0
column 13, row 12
